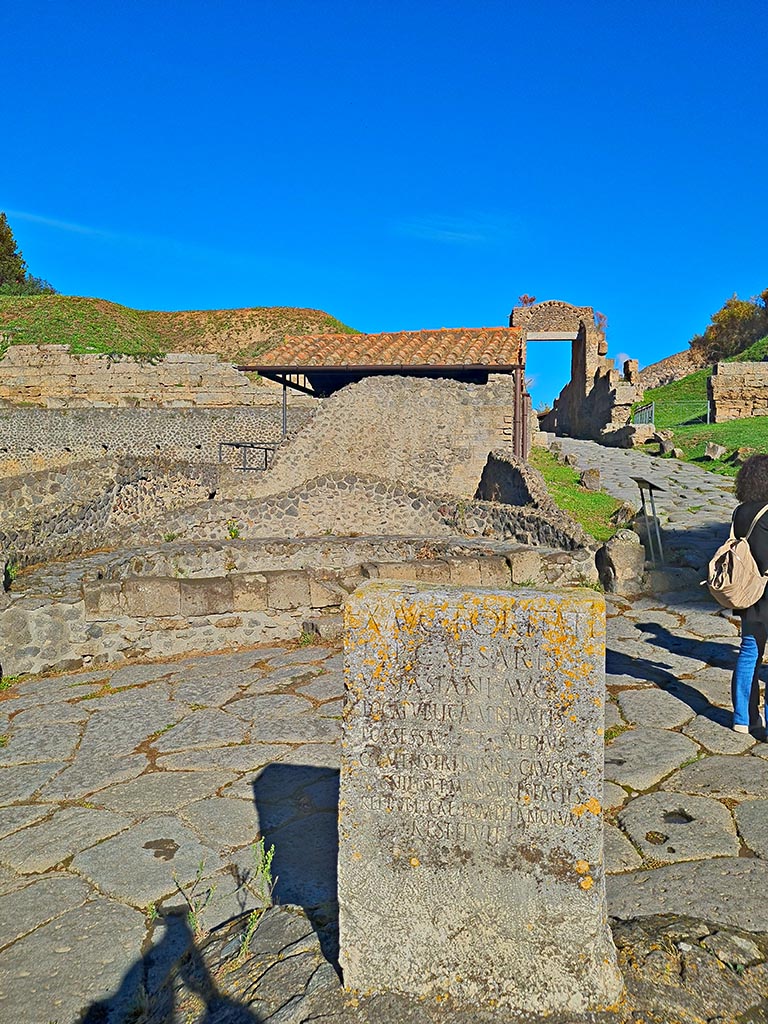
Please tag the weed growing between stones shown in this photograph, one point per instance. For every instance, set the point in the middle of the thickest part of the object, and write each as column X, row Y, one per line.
column 196, row 901
column 262, row 885
column 614, row 731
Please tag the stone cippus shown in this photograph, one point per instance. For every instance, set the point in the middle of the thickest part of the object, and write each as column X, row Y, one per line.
column 452, row 805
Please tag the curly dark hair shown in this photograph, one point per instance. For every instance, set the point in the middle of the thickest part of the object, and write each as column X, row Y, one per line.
column 752, row 479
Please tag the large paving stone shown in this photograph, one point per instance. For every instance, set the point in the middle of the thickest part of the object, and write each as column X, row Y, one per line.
column 721, row 776
column 53, row 742
column 209, row 728
column 325, row 687
column 91, row 773
column 299, row 729
column 716, row 734
column 23, row 781
column 139, row 865
column 669, row 827
column 640, row 757
column 160, row 792
column 112, row 732
column 207, row 692
column 88, row 953
column 242, row 757
column 613, row 795
column 710, row 625
column 225, row 823
column 619, row 854
column 654, row 709
column 47, row 714
column 40, row 847
column 14, row 818
column 721, row 891
column 257, row 709
column 752, row 821
column 23, row 910
column 714, row 686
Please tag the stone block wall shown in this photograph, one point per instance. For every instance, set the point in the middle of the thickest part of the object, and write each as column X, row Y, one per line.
column 738, row 390
column 433, row 434
column 53, row 377
column 113, row 620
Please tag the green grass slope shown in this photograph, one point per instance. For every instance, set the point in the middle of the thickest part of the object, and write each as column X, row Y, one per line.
column 94, row 325
column 681, row 407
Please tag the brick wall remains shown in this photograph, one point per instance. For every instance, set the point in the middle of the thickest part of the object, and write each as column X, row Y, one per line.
column 738, row 391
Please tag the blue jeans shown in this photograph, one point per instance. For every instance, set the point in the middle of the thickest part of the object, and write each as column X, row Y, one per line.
column 745, row 686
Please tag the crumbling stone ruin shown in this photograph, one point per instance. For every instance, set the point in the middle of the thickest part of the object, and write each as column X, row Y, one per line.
column 114, row 557
column 597, row 401
column 737, row 391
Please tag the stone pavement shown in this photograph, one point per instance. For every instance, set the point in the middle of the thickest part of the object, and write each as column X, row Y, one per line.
column 122, row 784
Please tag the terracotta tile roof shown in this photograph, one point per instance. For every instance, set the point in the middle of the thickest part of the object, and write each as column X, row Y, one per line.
column 474, row 346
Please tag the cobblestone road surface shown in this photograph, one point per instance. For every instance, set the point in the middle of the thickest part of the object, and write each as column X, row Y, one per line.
column 119, row 785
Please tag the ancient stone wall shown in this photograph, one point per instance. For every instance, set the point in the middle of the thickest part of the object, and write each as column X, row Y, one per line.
column 673, row 368
column 738, row 390
column 59, row 622
column 53, row 377
column 55, row 513
column 33, row 438
column 434, row 434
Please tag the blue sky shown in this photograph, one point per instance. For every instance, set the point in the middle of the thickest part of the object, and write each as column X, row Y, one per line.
column 399, row 165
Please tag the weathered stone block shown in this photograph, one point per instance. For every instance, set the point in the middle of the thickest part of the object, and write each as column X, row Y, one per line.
column 288, row 589
column 524, row 566
column 494, row 571
column 210, row 596
column 433, row 570
column 151, row 596
column 249, row 592
column 326, row 593
column 465, row 571
column 102, row 599
column 470, row 830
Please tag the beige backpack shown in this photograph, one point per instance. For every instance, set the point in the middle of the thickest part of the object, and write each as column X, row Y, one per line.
column 733, row 577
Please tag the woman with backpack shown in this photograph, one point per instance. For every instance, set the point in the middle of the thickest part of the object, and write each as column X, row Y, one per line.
column 752, row 493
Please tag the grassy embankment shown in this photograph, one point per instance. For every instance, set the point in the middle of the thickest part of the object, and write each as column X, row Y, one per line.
column 592, row 510
column 94, row 325
column 670, row 414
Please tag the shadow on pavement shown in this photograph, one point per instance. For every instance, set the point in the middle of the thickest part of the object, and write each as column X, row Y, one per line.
column 157, row 1003
column 298, row 808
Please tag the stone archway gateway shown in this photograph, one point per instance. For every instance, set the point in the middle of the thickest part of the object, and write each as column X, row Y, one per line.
column 597, row 401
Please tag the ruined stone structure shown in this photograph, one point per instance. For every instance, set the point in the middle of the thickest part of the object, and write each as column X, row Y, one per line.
column 53, row 377
column 596, row 403
column 737, row 391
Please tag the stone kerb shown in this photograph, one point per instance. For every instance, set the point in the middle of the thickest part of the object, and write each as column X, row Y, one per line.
column 470, row 831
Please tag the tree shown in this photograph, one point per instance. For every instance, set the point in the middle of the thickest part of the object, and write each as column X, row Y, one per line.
column 14, row 278
column 13, row 269
column 735, row 326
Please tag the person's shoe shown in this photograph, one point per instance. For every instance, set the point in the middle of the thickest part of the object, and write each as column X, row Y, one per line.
column 741, row 728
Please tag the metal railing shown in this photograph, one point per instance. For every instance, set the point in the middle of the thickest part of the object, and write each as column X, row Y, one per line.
column 674, row 414
column 266, row 448
column 644, row 414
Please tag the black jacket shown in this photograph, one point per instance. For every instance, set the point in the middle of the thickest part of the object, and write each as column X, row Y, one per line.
column 755, row 617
